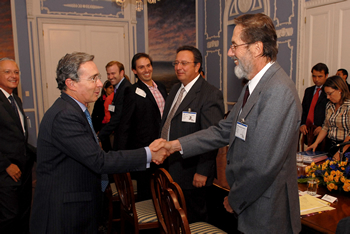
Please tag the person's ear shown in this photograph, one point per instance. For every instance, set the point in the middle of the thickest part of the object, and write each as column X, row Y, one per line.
column 70, row 84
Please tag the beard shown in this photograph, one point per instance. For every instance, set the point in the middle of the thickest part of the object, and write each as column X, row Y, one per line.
column 242, row 69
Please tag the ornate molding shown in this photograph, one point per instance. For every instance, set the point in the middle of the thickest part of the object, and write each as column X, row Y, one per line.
column 119, row 14
column 243, row 6
column 29, row 4
column 220, row 64
column 220, row 27
column 289, row 18
column 317, row 3
column 284, row 32
column 288, row 42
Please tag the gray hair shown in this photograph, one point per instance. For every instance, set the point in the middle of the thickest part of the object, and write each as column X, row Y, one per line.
column 68, row 67
column 6, row 59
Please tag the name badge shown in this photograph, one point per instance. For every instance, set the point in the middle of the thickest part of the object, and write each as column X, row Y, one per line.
column 111, row 108
column 140, row 92
column 241, row 131
column 189, row 117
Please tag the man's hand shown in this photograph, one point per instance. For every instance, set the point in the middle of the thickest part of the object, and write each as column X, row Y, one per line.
column 158, row 154
column 303, row 129
column 317, row 130
column 227, row 205
column 171, row 146
column 14, row 172
column 199, row 180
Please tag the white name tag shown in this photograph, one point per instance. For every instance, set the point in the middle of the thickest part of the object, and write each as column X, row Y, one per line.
column 189, row 117
column 140, row 92
column 241, row 130
column 111, row 108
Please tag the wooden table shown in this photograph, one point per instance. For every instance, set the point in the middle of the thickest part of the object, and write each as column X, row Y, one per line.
column 326, row 222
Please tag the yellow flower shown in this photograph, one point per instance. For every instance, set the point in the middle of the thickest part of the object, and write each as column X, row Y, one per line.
column 313, row 175
column 326, row 174
column 343, row 168
column 330, row 178
column 346, row 188
column 325, row 179
column 336, row 179
column 330, row 186
column 307, row 169
column 332, row 173
column 342, row 179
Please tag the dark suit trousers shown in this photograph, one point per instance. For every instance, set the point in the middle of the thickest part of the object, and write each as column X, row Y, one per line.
column 196, row 204
column 15, row 205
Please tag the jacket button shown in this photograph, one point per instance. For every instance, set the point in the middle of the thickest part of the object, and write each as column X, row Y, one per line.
column 228, row 162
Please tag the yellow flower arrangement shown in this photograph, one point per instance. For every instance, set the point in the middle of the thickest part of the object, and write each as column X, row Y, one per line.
column 334, row 175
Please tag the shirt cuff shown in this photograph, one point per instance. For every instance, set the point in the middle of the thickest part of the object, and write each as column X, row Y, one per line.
column 149, row 157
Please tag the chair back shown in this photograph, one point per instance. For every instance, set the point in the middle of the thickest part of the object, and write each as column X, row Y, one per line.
column 126, row 195
column 175, row 218
column 160, row 181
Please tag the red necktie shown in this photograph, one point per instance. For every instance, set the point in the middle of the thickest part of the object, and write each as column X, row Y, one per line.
column 310, row 115
column 246, row 95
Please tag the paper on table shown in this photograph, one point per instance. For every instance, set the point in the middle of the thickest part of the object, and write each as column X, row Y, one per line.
column 310, row 204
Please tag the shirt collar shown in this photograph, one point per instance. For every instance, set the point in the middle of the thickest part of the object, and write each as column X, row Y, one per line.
column 82, row 106
column 189, row 85
column 117, row 86
column 254, row 82
column 6, row 93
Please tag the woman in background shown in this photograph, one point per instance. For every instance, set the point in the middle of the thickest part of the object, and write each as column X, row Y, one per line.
column 336, row 126
column 98, row 113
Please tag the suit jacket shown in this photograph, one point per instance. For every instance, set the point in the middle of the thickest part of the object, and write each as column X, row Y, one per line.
column 69, row 166
column 261, row 170
column 320, row 108
column 118, row 100
column 140, row 121
column 207, row 102
column 13, row 142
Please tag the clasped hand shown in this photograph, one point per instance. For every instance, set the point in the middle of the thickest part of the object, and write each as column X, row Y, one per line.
column 161, row 149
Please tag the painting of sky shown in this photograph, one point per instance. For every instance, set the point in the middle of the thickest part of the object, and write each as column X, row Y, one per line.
column 171, row 24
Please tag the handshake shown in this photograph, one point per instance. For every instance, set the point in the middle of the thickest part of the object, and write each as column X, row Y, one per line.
column 161, row 149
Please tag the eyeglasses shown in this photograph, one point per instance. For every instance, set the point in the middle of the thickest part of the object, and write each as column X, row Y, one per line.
column 183, row 63
column 94, row 78
column 329, row 94
column 234, row 46
column 8, row 72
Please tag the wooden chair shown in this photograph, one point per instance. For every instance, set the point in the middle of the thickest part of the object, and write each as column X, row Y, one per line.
column 168, row 218
column 310, row 139
column 112, row 195
column 141, row 215
column 160, row 181
column 176, row 218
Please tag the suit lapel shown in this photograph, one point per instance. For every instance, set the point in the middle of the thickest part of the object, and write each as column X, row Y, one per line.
column 169, row 101
column 149, row 94
column 253, row 98
column 8, row 108
column 192, row 94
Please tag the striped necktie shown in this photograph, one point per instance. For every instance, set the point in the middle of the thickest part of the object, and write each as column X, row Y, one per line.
column 104, row 177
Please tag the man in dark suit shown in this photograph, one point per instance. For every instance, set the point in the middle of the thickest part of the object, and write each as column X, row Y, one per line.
column 315, row 94
column 343, row 73
column 192, row 105
column 261, row 130
column 70, row 161
column 115, row 74
column 16, row 155
column 142, row 112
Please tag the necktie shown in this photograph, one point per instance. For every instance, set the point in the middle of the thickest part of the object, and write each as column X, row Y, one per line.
column 310, row 115
column 166, row 126
column 246, row 95
column 14, row 106
column 104, row 177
